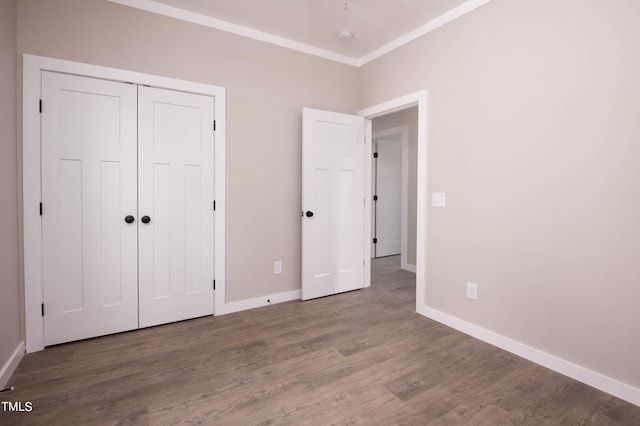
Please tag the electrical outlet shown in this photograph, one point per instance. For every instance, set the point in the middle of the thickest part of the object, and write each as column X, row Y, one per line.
column 277, row 267
column 472, row 291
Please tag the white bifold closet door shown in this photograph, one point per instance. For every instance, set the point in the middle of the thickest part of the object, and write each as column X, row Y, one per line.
column 113, row 156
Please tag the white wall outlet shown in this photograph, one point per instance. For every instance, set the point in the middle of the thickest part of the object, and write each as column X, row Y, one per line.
column 277, row 267
column 472, row 291
column 438, row 199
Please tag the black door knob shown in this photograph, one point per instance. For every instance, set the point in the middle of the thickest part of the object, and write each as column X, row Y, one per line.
column 145, row 219
column 309, row 213
column 129, row 219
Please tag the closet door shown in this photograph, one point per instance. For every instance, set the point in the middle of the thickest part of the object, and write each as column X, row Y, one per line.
column 175, row 203
column 89, row 187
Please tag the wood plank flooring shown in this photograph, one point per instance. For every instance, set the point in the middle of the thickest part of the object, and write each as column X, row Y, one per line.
column 363, row 357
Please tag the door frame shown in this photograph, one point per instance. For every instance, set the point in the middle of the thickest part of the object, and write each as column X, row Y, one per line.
column 31, row 175
column 403, row 131
column 420, row 99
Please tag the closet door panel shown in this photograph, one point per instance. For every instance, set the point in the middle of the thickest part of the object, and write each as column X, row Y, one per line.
column 89, row 186
column 176, row 193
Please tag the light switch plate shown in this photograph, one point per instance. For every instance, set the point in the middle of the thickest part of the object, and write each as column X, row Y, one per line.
column 438, row 199
column 472, row 291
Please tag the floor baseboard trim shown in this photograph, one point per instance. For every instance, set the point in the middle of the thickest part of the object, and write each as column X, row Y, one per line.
column 11, row 365
column 258, row 302
column 409, row 267
column 559, row 365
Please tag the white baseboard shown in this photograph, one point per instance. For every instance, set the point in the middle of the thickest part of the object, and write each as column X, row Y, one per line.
column 10, row 366
column 408, row 267
column 567, row 368
column 258, row 302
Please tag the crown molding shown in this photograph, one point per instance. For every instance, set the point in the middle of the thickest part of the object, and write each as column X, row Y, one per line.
column 219, row 24
column 433, row 24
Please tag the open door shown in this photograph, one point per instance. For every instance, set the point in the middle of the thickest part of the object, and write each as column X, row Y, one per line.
column 388, row 197
column 333, row 203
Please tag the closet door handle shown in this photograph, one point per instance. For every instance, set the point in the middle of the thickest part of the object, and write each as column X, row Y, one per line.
column 129, row 219
column 145, row 219
column 309, row 213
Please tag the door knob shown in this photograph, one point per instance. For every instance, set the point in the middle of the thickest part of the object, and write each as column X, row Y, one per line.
column 145, row 219
column 309, row 213
column 129, row 219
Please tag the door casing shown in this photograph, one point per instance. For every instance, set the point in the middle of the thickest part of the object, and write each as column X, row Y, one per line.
column 31, row 174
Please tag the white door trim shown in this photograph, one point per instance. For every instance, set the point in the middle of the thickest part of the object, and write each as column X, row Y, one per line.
column 398, row 104
column 404, row 132
column 31, row 161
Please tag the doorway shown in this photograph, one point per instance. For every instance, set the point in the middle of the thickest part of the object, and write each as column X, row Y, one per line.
column 394, row 146
column 419, row 101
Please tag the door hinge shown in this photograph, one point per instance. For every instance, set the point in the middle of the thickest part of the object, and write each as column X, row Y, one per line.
column 40, row 106
column 375, row 241
column 42, row 308
column 375, row 155
column 40, row 209
column 214, row 125
column 214, row 205
column 214, row 284
column 375, row 198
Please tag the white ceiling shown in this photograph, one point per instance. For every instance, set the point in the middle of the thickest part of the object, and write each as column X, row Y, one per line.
column 312, row 25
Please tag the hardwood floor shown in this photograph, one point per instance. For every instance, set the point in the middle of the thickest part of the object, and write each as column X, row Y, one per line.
column 363, row 357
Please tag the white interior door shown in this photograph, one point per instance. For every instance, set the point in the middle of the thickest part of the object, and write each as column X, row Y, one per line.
column 332, row 203
column 88, row 188
column 388, row 193
column 176, row 194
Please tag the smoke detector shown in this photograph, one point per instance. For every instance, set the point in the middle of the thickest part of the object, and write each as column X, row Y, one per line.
column 345, row 35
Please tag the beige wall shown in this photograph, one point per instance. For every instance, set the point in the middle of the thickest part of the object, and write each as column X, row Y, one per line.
column 409, row 118
column 267, row 87
column 534, row 135
column 10, row 329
